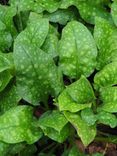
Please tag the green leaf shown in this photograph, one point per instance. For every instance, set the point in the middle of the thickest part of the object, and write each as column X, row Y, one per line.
column 9, row 98
column 109, row 107
column 61, row 16
column 55, row 135
column 65, row 3
column 6, row 69
column 49, row 5
column 5, row 78
column 17, row 125
column 77, row 50
column 35, row 33
column 22, row 5
column 77, row 96
column 28, row 150
column 6, row 17
column 88, row 116
column 5, row 40
column 107, row 119
column 85, row 132
column 50, row 45
column 54, row 119
column 108, row 94
column 114, row 12
column 4, row 148
column 54, row 125
column 105, row 35
column 6, row 62
column 36, row 74
column 98, row 154
column 91, row 9
column 106, row 77
column 74, row 151
column 37, row 5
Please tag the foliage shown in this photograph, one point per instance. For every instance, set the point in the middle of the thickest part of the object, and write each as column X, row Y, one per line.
column 58, row 75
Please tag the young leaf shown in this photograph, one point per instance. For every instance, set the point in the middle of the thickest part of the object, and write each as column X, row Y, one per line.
column 85, row 132
column 77, row 96
column 17, row 125
column 105, row 35
column 77, row 50
column 53, row 125
column 106, row 77
column 107, row 119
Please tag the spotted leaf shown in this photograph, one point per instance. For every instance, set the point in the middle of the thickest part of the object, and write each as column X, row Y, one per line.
column 50, row 45
column 85, row 132
column 91, row 9
column 106, row 77
column 77, row 96
column 105, row 35
column 108, row 96
column 36, row 74
column 107, row 119
column 23, row 5
column 36, row 31
column 17, row 125
column 49, row 5
column 54, row 125
column 77, row 50
column 88, row 116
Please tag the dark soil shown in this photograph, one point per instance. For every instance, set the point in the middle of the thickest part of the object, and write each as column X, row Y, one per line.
column 108, row 149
